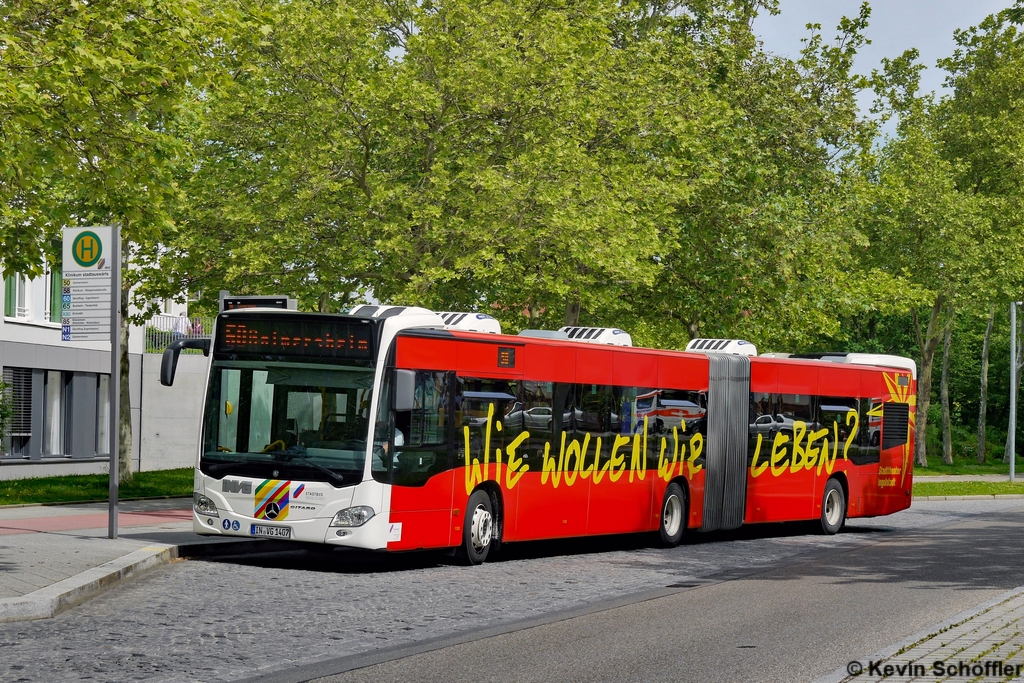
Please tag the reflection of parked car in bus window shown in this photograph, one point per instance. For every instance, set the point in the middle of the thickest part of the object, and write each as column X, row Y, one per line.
column 475, row 405
column 665, row 409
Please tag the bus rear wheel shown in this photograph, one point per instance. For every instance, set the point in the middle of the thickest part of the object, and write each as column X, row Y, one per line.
column 673, row 516
column 833, row 507
column 477, row 529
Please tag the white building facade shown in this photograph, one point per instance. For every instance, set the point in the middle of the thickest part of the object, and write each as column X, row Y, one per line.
column 61, row 394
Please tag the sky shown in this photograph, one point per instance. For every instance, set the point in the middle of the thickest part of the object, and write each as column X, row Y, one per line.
column 895, row 25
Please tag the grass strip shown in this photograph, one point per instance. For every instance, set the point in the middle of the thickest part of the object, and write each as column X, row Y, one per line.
column 965, row 488
column 77, row 487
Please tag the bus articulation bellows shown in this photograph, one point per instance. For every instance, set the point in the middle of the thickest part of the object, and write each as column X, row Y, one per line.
column 396, row 428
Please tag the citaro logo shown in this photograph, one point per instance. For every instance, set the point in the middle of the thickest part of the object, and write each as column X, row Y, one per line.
column 87, row 249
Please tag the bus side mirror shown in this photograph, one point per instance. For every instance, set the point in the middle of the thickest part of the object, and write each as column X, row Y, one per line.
column 169, row 362
column 405, row 390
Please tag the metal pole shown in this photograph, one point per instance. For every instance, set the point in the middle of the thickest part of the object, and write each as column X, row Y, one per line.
column 115, row 379
column 1013, row 388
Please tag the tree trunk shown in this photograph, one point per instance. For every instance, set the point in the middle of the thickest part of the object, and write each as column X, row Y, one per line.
column 324, row 305
column 927, row 343
column 983, row 402
column 1015, row 381
column 947, row 437
column 572, row 312
column 124, row 468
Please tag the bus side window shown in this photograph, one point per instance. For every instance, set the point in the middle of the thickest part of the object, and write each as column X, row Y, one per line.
column 677, row 414
column 835, row 417
column 761, row 422
column 869, row 443
column 537, row 405
column 592, row 414
column 420, row 437
column 475, row 399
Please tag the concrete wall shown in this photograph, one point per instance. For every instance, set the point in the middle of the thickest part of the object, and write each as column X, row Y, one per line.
column 171, row 417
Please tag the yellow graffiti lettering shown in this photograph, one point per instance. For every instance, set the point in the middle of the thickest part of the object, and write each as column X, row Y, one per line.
column 664, row 468
column 487, row 440
column 852, row 415
column 832, row 461
column 779, row 454
column 814, row 454
column 572, row 452
column 696, row 447
column 515, row 464
column 473, row 474
column 613, row 465
column 599, row 471
column 584, row 470
column 755, row 469
column 799, row 459
column 638, row 460
column 550, row 467
column 823, row 457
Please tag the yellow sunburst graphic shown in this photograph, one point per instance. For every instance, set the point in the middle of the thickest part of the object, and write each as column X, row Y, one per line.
column 901, row 393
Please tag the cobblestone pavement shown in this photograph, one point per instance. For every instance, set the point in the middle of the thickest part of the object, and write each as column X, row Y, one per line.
column 233, row 618
column 985, row 646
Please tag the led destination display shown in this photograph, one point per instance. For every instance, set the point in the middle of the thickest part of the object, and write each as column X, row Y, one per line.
column 303, row 337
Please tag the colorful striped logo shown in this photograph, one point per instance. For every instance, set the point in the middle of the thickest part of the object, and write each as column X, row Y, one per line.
column 272, row 499
column 298, row 491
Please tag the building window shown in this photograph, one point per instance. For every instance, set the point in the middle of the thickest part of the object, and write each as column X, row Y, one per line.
column 54, row 287
column 15, row 296
column 102, row 414
column 53, row 412
column 19, row 388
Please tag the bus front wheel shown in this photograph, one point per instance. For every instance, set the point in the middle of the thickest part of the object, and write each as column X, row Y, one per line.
column 673, row 516
column 833, row 507
column 477, row 528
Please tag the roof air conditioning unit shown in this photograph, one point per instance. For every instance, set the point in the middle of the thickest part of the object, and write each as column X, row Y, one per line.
column 612, row 336
column 470, row 322
column 736, row 347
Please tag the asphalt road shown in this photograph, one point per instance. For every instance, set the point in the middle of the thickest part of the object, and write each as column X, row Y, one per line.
column 765, row 603
column 795, row 622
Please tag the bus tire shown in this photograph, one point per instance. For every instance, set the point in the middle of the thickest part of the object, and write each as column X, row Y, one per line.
column 833, row 507
column 477, row 528
column 673, row 516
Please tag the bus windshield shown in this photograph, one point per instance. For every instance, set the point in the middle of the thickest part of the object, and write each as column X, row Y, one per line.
column 288, row 420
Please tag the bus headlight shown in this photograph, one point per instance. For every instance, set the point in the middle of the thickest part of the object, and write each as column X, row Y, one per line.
column 204, row 505
column 356, row 516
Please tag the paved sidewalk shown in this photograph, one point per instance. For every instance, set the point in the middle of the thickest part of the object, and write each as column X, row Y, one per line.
column 983, row 644
column 55, row 557
column 40, row 546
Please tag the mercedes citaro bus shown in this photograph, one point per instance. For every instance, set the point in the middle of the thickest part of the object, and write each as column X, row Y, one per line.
column 397, row 428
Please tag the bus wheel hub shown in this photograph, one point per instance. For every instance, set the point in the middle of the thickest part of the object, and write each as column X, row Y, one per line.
column 481, row 528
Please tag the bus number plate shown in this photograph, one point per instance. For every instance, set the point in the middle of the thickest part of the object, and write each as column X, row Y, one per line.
column 270, row 531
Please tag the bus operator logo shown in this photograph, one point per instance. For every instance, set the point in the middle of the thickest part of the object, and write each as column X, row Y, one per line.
column 87, row 249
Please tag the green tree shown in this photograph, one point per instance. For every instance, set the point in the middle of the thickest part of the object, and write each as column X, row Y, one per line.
column 922, row 228
column 90, row 94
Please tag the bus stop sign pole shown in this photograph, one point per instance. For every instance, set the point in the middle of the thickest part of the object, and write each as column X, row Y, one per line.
column 115, row 380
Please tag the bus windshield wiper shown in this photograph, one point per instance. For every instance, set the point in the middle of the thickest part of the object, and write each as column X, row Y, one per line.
column 297, row 454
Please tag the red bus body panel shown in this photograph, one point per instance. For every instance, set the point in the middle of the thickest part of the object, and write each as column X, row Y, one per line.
column 560, row 504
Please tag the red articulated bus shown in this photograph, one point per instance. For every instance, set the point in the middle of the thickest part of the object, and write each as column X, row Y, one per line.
column 392, row 428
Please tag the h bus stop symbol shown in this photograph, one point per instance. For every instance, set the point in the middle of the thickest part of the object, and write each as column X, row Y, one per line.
column 87, row 249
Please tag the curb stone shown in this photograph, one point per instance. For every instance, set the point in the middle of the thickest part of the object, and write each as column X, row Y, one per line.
column 63, row 595
column 50, row 601
column 841, row 675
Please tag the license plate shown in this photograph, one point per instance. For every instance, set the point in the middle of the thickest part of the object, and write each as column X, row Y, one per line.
column 270, row 531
